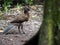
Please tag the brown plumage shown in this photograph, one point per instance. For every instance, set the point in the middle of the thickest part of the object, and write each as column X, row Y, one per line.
column 21, row 18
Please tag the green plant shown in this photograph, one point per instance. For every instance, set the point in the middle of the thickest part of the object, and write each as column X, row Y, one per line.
column 6, row 4
column 18, row 5
column 30, row 2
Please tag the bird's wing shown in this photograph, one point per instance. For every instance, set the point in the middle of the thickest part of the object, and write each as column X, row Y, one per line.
column 7, row 28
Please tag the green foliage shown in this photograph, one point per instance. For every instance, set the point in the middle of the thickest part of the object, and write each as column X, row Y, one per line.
column 30, row 2
column 7, row 4
column 18, row 5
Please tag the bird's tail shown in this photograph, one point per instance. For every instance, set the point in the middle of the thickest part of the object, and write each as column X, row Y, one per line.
column 7, row 28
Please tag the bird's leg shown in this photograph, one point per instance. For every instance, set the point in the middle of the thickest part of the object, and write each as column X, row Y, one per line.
column 22, row 28
column 19, row 28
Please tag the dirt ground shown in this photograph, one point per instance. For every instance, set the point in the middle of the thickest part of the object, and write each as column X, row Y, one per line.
column 13, row 39
column 30, row 28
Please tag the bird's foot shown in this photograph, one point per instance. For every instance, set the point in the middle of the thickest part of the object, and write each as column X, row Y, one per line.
column 21, row 32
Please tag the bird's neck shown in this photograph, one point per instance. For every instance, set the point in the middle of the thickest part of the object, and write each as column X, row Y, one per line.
column 27, row 14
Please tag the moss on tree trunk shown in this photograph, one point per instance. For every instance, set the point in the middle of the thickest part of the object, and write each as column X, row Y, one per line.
column 50, row 17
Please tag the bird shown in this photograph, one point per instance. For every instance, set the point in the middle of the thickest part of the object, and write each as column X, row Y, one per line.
column 19, row 19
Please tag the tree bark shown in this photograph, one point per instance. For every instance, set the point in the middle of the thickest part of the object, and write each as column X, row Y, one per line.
column 57, row 37
column 47, row 29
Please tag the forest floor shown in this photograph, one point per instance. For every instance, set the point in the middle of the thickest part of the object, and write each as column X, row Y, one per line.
column 30, row 28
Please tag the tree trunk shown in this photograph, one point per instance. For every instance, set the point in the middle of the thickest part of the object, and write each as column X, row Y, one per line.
column 57, row 37
column 47, row 28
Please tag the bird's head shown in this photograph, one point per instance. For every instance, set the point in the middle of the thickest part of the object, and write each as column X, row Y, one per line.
column 26, row 9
